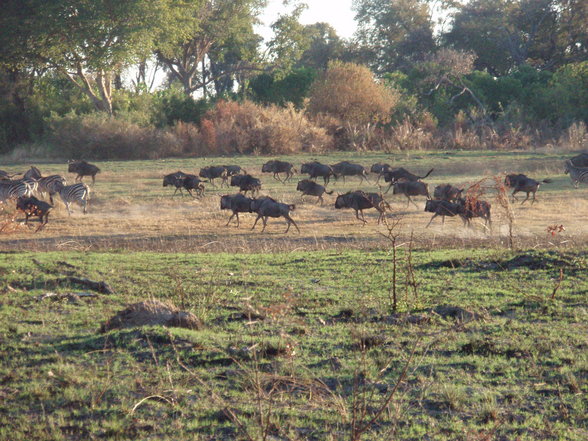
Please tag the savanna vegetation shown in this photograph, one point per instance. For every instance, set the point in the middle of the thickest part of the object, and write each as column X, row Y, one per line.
column 149, row 318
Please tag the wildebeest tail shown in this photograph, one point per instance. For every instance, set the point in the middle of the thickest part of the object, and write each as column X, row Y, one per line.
column 428, row 173
column 329, row 192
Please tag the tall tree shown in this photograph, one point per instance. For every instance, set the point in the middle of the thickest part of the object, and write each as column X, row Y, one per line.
column 324, row 46
column 290, row 40
column 393, row 33
column 87, row 41
column 215, row 23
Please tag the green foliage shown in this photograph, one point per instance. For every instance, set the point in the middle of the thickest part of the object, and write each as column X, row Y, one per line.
column 280, row 89
column 172, row 105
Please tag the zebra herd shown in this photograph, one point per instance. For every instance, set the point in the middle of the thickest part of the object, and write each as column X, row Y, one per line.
column 25, row 190
column 447, row 200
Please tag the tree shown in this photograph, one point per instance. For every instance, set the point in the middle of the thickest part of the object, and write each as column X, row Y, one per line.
column 324, row 46
column 291, row 39
column 349, row 92
column 282, row 89
column 86, row 41
column 394, row 33
column 215, row 23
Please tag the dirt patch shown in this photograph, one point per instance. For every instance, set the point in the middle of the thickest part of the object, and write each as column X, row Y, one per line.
column 455, row 312
column 538, row 261
column 150, row 313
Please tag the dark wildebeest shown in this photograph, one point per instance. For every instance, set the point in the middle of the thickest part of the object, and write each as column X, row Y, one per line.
column 237, row 203
column 267, row 207
column 233, row 170
column 192, row 182
column 213, row 172
column 346, row 168
column 520, row 182
column 380, row 169
column 31, row 206
column 443, row 208
column 246, row 183
column 580, row 160
column 4, row 175
column 475, row 208
column 83, row 168
column 316, row 169
column 401, row 174
column 359, row 201
column 33, row 173
column 447, row 192
column 410, row 188
column 175, row 180
column 276, row 167
column 311, row 188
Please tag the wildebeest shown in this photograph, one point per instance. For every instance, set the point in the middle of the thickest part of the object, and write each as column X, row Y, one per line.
column 267, row 207
column 192, row 182
column 443, row 208
column 447, row 192
column 175, row 180
column 401, row 174
column 233, row 170
column 520, row 182
column 237, row 203
column 276, row 167
column 311, row 188
column 316, row 169
column 359, row 201
column 410, row 188
column 31, row 206
column 475, row 208
column 346, row 168
column 380, row 168
column 83, row 168
column 580, row 160
column 213, row 172
column 32, row 173
column 246, row 183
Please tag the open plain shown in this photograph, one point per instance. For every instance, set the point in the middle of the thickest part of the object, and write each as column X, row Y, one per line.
column 343, row 331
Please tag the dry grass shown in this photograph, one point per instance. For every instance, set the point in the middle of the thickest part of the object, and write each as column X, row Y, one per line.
column 129, row 209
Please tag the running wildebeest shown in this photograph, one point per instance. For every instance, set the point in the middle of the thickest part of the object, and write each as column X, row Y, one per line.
column 410, row 188
column 380, row 169
column 213, row 172
column 276, row 167
column 83, row 168
column 447, row 192
column 267, row 207
column 31, row 206
column 401, row 174
column 520, row 182
column 192, row 182
column 316, row 169
column 246, row 183
column 359, row 201
column 442, row 208
column 233, row 170
column 346, row 168
column 475, row 208
column 237, row 203
column 175, row 180
column 311, row 188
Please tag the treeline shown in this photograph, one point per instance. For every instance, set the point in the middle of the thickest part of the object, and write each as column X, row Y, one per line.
column 154, row 78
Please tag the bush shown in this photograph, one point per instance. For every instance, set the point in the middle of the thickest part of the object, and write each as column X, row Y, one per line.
column 98, row 136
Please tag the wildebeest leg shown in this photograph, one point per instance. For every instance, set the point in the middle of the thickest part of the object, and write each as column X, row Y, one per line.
column 413, row 203
column 513, row 195
column 320, row 199
column 93, row 179
column 434, row 216
column 533, row 201
column 264, row 220
column 190, row 193
column 291, row 221
column 526, row 199
column 389, row 187
column 177, row 188
column 232, row 215
column 255, row 223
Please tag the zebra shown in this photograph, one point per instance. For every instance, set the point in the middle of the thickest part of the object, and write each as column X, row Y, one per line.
column 14, row 190
column 51, row 185
column 79, row 193
column 577, row 174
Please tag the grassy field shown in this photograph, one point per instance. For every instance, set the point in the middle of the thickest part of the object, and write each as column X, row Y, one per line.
column 299, row 336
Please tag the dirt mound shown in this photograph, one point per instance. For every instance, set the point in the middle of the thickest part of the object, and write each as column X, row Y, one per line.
column 455, row 312
column 151, row 312
column 537, row 261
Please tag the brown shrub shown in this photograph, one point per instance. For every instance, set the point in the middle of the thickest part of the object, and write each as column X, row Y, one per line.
column 98, row 136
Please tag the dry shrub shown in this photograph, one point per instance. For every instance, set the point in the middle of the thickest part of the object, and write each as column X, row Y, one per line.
column 575, row 138
column 409, row 136
column 190, row 138
column 488, row 138
column 250, row 128
column 97, row 136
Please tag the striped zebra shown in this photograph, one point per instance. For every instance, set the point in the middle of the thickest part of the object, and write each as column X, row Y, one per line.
column 577, row 174
column 79, row 193
column 14, row 189
column 51, row 185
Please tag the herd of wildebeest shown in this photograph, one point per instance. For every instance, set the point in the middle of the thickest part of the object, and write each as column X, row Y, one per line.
column 447, row 200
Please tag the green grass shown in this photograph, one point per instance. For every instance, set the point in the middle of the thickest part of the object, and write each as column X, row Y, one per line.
column 297, row 338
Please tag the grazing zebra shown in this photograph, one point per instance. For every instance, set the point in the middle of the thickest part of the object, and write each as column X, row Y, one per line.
column 51, row 185
column 577, row 174
column 79, row 193
column 14, row 189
